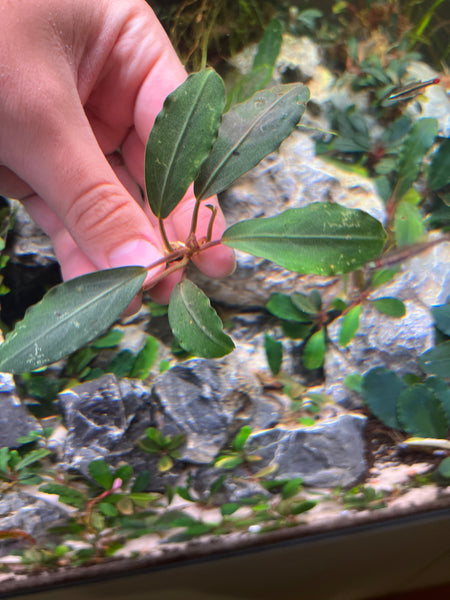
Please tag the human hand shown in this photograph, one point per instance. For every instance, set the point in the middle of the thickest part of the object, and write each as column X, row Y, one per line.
column 80, row 80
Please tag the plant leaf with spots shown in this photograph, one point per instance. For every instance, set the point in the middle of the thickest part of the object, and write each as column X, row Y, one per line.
column 69, row 316
column 322, row 238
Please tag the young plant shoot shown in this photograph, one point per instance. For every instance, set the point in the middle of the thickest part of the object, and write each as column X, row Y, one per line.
column 193, row 141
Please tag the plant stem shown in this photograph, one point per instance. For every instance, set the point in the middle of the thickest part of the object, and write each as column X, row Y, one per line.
column 162, row 229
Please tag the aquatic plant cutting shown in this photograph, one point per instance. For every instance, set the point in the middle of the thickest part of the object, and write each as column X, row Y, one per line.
column 197, row 447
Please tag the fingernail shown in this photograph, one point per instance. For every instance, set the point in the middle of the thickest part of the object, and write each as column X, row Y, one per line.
column 136, row 252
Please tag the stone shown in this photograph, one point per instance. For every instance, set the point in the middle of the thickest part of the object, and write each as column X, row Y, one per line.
column 105, row 418
column 200, row 399
column 329, row 454
column 23, row 511
column 15, row 419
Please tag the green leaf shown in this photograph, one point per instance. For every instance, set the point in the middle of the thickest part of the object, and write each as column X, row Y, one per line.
column 354, row 382
column 439, row 173
column 145, row 359
column 249, row 131
column 32, row 457
column 314, row 351
column 441, row 316
column 241, row 438
column 229, row 508
column 181, row 139
column 408, row 224
column 70, row 315
column 421, row 413
column 306, row 303
column 381, row 390
column 269, row 46
column 165, row 463
column 383, row 276
column 437, row 360
column 349, row 326
column 141, row 482
column 282, row 306
column 228, row 462
column 195, row 323
column 66, row 494
column 109, row 340
column 444, row 468
column 442, row 391
column 291, row 488
column 390, row 306
column 416, row 145
column 101, row 473
column 274, row 353
column 322, row 238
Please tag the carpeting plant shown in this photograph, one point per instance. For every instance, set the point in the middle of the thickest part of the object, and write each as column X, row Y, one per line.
column 192, row 140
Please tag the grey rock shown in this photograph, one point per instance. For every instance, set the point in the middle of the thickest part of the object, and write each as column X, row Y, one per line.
column 15, row 420
column 105, row 418
column 324, row 455
column 28, row 513
column 199, row 398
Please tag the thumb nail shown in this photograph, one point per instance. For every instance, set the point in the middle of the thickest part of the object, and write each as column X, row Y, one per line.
column 136, row 252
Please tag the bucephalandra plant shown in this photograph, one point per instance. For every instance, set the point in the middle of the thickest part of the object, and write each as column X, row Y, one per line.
column 193, row 141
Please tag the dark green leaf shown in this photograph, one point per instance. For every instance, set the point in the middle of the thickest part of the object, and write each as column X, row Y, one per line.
column 444, row 468
column 269, row 46
column 322, row 238
column 441, row 316
column 249, row 131
column 70, row 315
column 390, row 306
column 108, row 510
column 229, row 508
column 195, row 323
column 141, row 482
column 381, row 390
column 109, row 340
column 101, row 473
column 291, row 488
column 314, row 351
column 274, row 353
column 4, row 459
column 306, row 304
column 421, row 413
column 145, row 359
column 181, row 138
column 437, row 360
column 442, row 392
column 416, row 145
column 121, row 364
column 349, row 326
column 66, row 494
column 439, row 173
column 297, row 508
column 282, row 306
